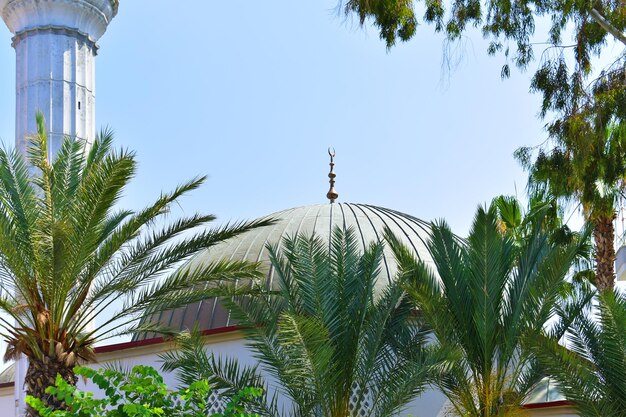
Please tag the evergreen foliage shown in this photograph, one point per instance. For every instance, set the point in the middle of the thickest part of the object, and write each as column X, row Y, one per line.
column 591, row 368
column 585, row 157
column 68, row 254
column 510, row 27
column 138, row 393
column 487, row 297
column 518, row 224
column 334, row 344
column 588, row 165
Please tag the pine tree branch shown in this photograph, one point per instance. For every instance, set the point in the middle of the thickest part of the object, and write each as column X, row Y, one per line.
column 606, row 25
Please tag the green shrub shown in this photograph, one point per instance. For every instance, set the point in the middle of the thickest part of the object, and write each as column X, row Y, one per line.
column 139, row 393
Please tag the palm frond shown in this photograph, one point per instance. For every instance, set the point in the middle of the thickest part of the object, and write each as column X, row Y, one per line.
column 67, row 253
column 491, row 293
column 335, row 345
column 591, row 369
column 226, row 376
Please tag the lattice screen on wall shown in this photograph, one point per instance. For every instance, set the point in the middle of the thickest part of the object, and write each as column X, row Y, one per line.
column 216, row 402
column 366, row 402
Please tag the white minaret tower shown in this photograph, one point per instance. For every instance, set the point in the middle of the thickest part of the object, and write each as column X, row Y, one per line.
column 55, row 46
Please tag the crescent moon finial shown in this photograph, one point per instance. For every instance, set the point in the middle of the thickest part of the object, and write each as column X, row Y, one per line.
column 332, row 195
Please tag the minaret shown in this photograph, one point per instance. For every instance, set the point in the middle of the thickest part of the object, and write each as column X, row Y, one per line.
column 55, row 46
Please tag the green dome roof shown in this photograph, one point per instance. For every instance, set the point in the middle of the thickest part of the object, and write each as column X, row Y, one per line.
column 366, row 220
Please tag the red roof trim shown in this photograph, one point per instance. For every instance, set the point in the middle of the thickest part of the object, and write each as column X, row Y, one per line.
column 156, row 341
column 547, row 404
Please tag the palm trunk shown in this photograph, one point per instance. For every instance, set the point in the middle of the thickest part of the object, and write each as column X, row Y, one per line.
column 604, row 238
column 42, row 374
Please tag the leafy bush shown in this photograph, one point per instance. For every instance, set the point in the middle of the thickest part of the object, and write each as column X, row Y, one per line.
column 139, row 393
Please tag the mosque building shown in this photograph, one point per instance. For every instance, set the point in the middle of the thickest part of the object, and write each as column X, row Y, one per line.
column 55, row 45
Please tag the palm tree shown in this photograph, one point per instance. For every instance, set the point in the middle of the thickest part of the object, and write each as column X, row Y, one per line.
column 485, row 297
column 335, row 345
column 517, row 223
column 67, row 255
column 591, row 370
column 587, row 165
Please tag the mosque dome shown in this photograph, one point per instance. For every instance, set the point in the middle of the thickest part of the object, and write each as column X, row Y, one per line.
column 367, row 221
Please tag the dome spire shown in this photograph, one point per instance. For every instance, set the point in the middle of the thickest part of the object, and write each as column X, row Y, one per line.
column 332, row 194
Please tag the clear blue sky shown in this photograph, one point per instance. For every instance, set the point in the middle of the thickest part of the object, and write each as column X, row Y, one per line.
column 252, row 93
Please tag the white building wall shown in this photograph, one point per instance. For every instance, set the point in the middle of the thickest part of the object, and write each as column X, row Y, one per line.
column 7, row 402
column 231, row 345
column 430, row 404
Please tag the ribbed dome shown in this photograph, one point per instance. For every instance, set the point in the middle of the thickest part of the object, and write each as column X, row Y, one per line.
column 367, row 221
